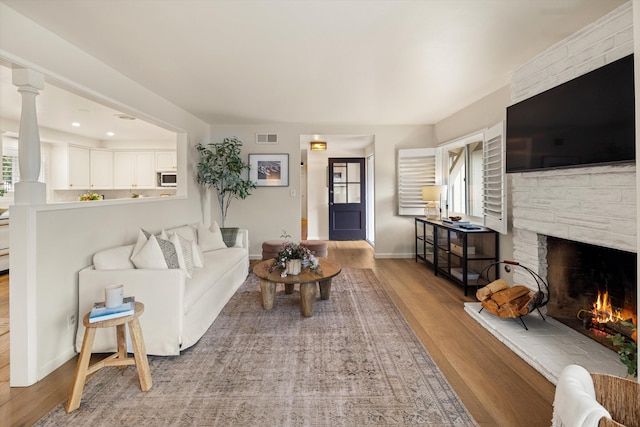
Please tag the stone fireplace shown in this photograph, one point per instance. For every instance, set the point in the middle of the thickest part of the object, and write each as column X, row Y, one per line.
column 586, row 217
column 592, row 208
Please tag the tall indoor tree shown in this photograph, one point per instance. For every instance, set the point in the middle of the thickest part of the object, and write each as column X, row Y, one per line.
column 221, row 168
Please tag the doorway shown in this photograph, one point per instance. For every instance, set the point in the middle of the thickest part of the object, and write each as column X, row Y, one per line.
column 314, row 179
column 347, row 199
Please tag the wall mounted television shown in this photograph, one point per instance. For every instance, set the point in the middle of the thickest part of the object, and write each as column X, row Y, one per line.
column 586, row 121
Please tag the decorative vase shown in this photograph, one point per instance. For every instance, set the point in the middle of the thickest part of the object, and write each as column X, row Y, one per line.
column 294, row 266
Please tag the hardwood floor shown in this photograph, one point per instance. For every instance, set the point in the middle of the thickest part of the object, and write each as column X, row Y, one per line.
column 498, row 387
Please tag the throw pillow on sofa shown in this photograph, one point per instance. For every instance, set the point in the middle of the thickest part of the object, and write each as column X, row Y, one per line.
column 143, row 237
column 189, row 232
column 170, row 252
column 149, row 255
column 154, row 252
column 210, row 239
column 183, row 249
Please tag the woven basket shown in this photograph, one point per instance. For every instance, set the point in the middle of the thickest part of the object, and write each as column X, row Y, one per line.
column 619, row 396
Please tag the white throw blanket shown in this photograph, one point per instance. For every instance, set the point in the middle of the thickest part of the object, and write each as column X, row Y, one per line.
column 575, row 403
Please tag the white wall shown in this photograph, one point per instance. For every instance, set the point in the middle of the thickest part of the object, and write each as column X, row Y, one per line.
column 270, row 210
column 51, row 243
column 482, row 114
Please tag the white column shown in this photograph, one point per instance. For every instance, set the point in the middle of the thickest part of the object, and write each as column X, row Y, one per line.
column 29, row 191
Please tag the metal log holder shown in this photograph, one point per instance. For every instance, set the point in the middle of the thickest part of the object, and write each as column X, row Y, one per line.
column 540, row 300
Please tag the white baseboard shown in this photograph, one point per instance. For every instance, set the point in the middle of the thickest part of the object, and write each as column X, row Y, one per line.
column 58, row 361
column 392, row 255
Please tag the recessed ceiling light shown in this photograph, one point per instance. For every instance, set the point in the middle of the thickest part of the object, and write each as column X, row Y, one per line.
column 75, row 124
column 125, row 117
column 110, row 133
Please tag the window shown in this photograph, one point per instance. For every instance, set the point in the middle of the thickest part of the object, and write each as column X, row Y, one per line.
column 463, row 174
column 474, row 172
column 11, row 167
column 9, row 173
column 416, row 168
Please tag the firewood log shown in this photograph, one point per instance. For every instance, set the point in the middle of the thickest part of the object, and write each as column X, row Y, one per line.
column 525, row 308
column 532, row 304
column 493, row 287
column 506, row 295
column 513, row 307
column 491, row 306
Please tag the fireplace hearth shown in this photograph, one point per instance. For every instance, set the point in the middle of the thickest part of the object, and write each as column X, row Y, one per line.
column 592, row 288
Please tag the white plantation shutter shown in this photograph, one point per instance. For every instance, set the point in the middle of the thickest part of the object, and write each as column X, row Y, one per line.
column 9, row 172
column 11, row 169
column 416, row 168
column 494, row 179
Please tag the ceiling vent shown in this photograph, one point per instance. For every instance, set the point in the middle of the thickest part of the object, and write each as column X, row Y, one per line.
column 266, row 138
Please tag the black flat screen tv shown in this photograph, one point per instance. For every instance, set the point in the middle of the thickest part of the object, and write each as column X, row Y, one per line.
column 586, row 121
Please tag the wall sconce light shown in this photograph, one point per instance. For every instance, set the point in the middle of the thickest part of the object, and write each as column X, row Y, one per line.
column 318, row 146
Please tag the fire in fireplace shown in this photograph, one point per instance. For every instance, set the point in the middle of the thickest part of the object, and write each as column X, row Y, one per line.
column 592, row 288
column 603, row 311
column 604, row 319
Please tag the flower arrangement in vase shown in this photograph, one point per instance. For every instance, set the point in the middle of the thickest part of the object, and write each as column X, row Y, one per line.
column 89, row 196
column 293, row 257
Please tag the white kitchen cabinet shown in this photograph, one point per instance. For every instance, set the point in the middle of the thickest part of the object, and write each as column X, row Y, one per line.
column 79, row 168
column 166, row 161
column 101, row 169
column 134, row 170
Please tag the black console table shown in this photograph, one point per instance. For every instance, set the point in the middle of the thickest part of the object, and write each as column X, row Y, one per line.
column 455, row 252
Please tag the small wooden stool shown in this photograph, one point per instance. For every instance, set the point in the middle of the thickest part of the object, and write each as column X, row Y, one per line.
column 119, row 359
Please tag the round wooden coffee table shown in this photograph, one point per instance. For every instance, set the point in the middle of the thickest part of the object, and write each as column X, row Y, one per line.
column 307, row 280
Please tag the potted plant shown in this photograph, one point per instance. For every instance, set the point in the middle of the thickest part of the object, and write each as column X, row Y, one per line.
column 221, row 168
column 627, row 350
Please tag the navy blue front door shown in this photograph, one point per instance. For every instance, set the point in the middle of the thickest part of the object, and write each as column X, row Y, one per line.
column 347, row 207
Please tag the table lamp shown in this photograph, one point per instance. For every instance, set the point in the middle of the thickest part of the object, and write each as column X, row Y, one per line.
column 432, row 194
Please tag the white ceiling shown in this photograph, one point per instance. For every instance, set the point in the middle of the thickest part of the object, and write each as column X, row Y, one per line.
column 313, row 61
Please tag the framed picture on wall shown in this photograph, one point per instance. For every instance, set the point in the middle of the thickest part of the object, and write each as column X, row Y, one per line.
column 269, row 170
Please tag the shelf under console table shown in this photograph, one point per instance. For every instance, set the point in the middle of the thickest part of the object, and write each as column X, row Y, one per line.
column 454, row 252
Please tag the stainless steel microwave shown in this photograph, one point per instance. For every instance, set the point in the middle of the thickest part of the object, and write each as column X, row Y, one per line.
column 167, row 179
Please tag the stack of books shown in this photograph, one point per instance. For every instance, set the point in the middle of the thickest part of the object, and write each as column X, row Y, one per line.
column 100, row 312
column 455, row 223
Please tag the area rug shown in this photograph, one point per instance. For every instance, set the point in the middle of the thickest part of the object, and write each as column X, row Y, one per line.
column 356, row 362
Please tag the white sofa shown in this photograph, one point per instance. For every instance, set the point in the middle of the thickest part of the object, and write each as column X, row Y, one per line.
column 178, row 309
